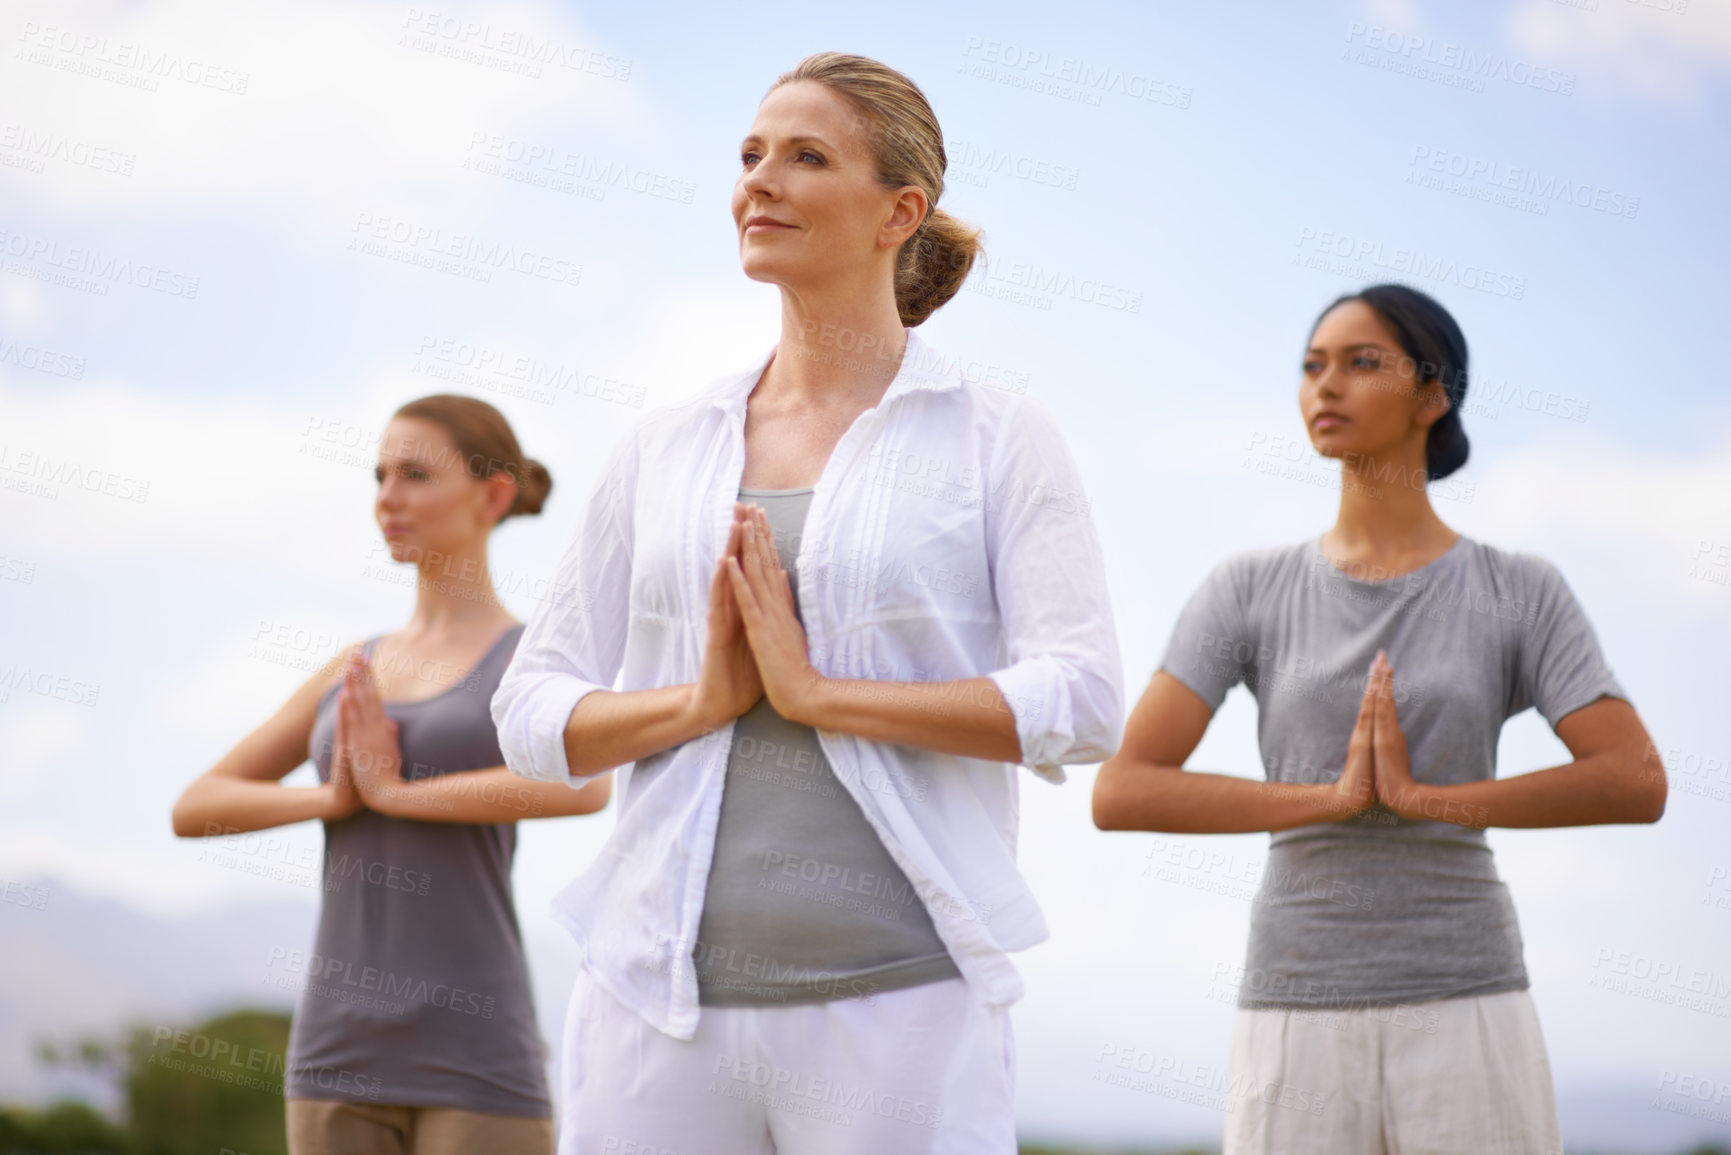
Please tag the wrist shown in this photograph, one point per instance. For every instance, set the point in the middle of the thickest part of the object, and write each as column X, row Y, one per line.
column 809, row 704
column 1341, row 799
column 698, row 718
column 1408, row 799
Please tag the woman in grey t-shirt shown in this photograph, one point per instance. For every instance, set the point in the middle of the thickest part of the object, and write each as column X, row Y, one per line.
column 415, row 1030
column 1383, row 1001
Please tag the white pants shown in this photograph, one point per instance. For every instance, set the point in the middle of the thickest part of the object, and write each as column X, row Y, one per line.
column 926, row 1070
column 1462, row 1076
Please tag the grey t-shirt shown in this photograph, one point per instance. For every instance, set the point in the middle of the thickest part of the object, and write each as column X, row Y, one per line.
column 416, row 992
column 1378, row 909
column 803, row 903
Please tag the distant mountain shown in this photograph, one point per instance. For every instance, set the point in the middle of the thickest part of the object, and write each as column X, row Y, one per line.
column 76, row 965
column 82, row 965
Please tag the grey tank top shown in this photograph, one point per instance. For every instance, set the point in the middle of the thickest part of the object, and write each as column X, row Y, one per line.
column 416, row 992
column 803, row 902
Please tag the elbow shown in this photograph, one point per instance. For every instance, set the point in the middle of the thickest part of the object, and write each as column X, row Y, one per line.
column 1107, row 813
column 1649, row 788
column 597, row 794
column 184, row 820
column 1649, row 804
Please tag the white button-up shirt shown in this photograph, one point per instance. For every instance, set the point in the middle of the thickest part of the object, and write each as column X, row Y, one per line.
column 948, row 538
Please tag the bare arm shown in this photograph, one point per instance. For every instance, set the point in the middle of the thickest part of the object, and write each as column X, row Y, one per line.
column 1145, row 786
column 609, row 728
column 491, row 795
column 966, row 716
column 243, row 792
column 1617, row 776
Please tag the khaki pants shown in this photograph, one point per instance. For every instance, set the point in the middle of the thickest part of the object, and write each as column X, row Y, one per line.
column 321, row 1127
column 1465, row 1076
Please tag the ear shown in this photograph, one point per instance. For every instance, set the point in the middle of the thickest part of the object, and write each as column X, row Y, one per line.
column 501, row 495
column 907, row 214
column 1433, row 406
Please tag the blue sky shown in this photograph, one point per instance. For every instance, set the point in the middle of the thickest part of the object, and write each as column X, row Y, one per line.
column 1553, row 172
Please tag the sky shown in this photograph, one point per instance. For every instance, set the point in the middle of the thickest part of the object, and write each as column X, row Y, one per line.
column 235, row 237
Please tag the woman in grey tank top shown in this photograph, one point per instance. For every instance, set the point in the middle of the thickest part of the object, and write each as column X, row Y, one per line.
column 415, row 1030
column 1383, row 1002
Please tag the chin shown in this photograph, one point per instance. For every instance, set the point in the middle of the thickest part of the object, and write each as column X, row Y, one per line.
column 761, row 267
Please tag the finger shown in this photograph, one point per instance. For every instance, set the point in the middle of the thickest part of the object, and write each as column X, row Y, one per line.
column 743, row 595
column 1367, row 701
column 1387, row 721
column 755, row 567
column 766, row 535
column 719, row 594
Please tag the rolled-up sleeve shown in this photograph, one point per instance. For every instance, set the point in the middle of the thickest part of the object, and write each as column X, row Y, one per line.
column 1065, row 680
column 575, row 638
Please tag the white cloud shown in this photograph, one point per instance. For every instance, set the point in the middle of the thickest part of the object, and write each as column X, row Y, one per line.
column 1663, row 50
column 387, row 124
column 35, row 735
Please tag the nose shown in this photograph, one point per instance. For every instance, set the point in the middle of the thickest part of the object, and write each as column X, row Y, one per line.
column 389, row 495
column 757, row 181
column 1328, row 382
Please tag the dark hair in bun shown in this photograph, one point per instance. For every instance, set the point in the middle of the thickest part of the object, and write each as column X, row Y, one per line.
column 1438, row 349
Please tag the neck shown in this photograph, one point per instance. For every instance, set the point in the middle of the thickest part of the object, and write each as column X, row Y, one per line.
column 835, row 342
column 1384, row 508
column 453, row 592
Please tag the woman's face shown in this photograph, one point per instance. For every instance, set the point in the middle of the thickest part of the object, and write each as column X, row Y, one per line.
column 808, row 205
column 429, row 502
column 1360, row 395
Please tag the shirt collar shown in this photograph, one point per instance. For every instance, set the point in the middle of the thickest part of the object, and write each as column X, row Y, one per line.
column 922, row 367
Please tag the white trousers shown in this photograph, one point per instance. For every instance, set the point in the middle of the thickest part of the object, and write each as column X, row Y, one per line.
column 1462, row 1076
column 926, row 1070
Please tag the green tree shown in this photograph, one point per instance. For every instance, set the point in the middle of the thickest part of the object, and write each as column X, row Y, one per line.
column 194, row 1090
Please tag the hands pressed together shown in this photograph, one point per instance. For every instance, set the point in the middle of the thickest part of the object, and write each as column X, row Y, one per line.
column 1378, row 768
column 366, row 759
column 756, row 646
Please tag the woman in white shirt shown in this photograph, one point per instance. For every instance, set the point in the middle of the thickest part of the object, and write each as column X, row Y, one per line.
column 823, row 693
